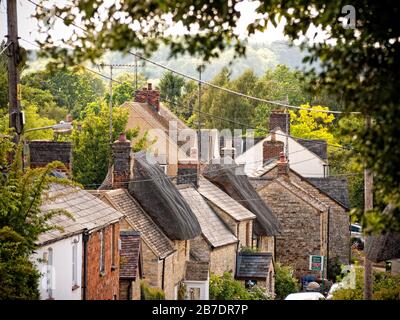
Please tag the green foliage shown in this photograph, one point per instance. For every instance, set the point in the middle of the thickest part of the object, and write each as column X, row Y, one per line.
column 225, row 287
column 71, row 89
column 150, row 293
column 21, row 222
column 285, row 282
column 248, row 250
column 182, row 291
column 121, row 92
column 171, row 87
column 385, row 287
column 92, row 150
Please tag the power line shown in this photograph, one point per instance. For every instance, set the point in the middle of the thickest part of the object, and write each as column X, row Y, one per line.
column 281, row 104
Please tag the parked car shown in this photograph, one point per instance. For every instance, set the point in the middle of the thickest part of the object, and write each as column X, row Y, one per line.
column 305, row 296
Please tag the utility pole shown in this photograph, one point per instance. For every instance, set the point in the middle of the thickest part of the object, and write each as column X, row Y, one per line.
column 199, row 120
column 368, row 205
column 136, row 73
column 111, row 102
column 15, row 115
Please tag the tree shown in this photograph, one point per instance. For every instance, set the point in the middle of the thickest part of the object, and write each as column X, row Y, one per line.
column 21, row 222
column 171, row 88
column 358, row 61
column 72, row 89
column 285, row 282
column 92, row 150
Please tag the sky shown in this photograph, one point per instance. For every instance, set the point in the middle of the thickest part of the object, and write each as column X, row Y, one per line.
column 27, row 25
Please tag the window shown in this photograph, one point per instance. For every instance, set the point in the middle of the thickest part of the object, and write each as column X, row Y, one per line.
column 102, row 251
column 50, row 273
column 113, row 251
column 74, row 264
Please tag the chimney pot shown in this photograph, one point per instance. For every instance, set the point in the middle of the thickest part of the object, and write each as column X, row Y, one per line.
column 283, row 167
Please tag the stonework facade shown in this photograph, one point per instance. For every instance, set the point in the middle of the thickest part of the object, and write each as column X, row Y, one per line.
column 103, row 284
column 42, row 153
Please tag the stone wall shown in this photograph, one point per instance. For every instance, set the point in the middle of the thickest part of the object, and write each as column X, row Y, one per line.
column 223, row 259
column 187, row 172
column 301, row 228
column 42, row 153
column 103, row 286
column 266, row 244
column 200, row 248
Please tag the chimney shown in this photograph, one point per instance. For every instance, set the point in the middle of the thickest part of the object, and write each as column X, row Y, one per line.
column 121, row 150
column 149, row 96
column 283, row 166
column 272, row 148
column 279, row 119
column 43, row 152
column 188, row 172
column 228, row 152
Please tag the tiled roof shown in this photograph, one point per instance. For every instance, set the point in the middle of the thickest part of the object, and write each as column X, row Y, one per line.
column 253, row 265
column 223, row 201
column 130, row 251
column 87, row 211
column 197, row 270
column 212, row 228
column 151, row 234
column 336, row 188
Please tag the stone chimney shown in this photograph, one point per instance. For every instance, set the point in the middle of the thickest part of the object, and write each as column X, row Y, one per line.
column 150, row 96
column 188, row 172
column 272, row 148
column 43, row 152
column 121, row 150
column 283, row 166
column 279, row 119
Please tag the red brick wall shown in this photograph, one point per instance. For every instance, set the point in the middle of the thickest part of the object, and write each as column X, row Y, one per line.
column 106, row 286
column 272, row 149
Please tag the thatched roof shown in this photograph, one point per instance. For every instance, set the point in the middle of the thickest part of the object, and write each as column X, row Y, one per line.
column 237, row 185
column 383, row 247
column 162, row 200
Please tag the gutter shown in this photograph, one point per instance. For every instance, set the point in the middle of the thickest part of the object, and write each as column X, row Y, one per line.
column 85, row 240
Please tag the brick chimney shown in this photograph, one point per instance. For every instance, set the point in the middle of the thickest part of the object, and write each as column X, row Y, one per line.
column 150, row 96
column 272, row 148
column 121, row 150
column 188, row 172
column 283, row 166
column 279, row 119
column 43, row 152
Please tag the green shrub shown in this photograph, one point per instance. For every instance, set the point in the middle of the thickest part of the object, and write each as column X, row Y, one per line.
column 285, row 282
column 150, row 293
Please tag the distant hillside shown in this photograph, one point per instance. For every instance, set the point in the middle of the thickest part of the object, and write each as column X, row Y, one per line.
column 259, row 57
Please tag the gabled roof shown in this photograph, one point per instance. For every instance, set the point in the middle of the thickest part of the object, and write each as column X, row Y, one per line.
column 316, row 146
column 336, row 188
column 129, row 254
column 140, row 221
column 86, row 210
column 197, row 270
column 383, row 247
column 253, row 265
column 161, row 199
column 213, row 229
column 239, row 188
column 223, row 201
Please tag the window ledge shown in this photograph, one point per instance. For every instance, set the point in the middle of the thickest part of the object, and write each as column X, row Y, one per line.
column 74, row 287
column 113, row 267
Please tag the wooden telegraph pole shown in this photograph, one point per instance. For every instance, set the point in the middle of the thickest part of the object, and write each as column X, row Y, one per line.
column 368, row 205
column 15, row 115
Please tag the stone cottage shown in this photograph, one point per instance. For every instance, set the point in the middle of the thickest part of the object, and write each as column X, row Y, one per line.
column 313, row 222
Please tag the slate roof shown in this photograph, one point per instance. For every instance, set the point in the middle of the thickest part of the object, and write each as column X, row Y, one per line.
column 336, row 188
column 213, row 229
column 88, row 212
column 197, row 270
column 316, row 146
column 129, row 254
column 240, row 189
column 150, row 233
column 223, row 201
column 383, row 247
column 253, row 265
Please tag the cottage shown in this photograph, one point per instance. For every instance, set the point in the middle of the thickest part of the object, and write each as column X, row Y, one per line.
column 255, row 157
column 313, row 222
column 216, row 244
column 82, row 260
column 235, row 216
column 197, row 280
